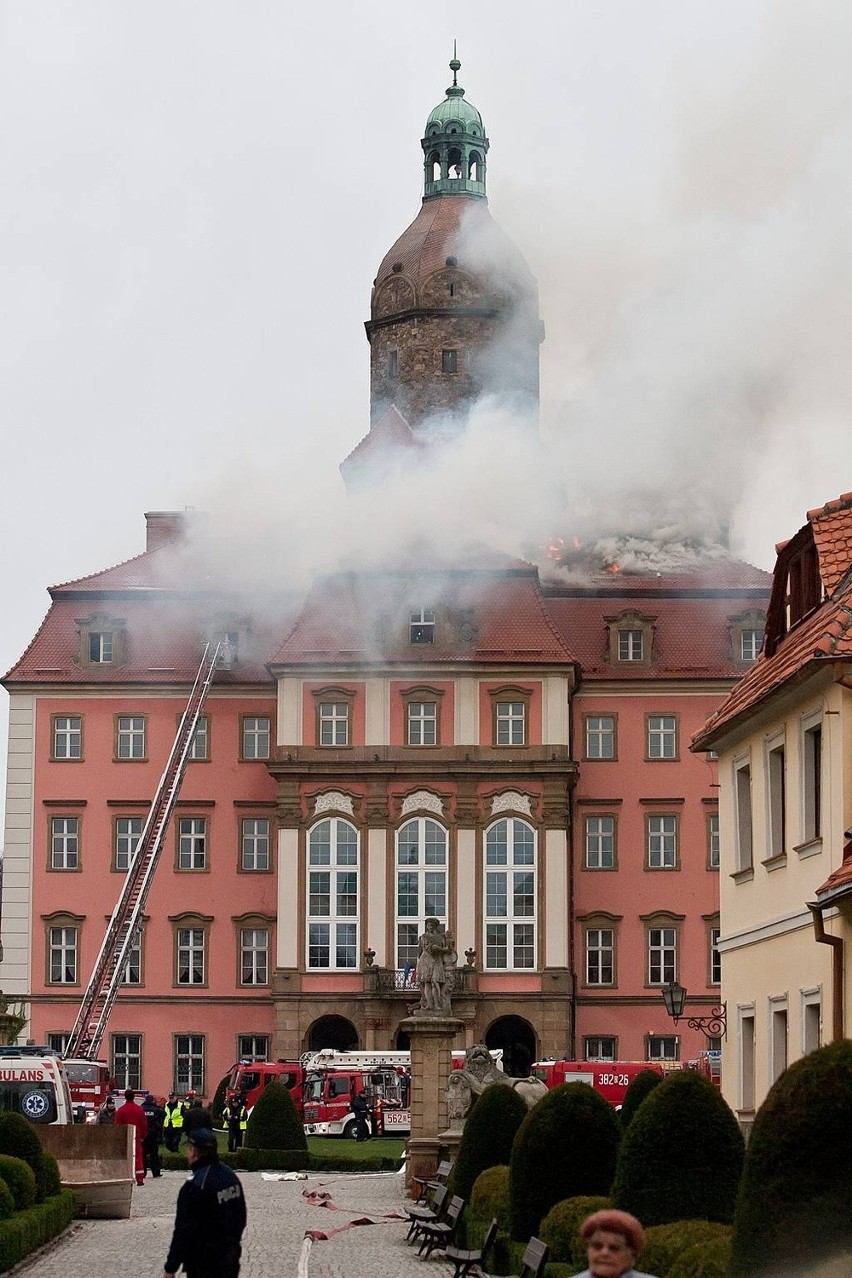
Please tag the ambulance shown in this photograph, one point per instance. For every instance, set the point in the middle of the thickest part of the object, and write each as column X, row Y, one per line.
column 33, row 1083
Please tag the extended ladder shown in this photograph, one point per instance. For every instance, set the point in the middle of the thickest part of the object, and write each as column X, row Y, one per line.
column 108, row 972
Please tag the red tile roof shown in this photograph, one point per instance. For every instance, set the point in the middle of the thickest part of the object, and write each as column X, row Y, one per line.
column 390, row 434
column 840, row 882
column 832, row 529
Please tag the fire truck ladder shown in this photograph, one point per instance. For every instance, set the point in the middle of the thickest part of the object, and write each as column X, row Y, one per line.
column 108, row 972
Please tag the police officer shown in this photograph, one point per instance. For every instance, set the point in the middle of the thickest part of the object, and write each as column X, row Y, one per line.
column 210, row 1217
column 235, row 1118
column 173, row 1123
column 156, row 1115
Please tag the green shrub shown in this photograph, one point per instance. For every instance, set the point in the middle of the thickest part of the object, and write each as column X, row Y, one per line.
column 18, row 1139
column 560, row 1228
column 795, row 1202
column 20, row 1178
column 644, row 1082
column 7, row 1201
column 489, row 1196
column 219, row 1101
column 274, row 1122
column 28, row 1230
column 46, row 1176
column 682, row 1155
column 708, row 1259
column 487, row 1138
column 566, row 1146
column 664, row 1244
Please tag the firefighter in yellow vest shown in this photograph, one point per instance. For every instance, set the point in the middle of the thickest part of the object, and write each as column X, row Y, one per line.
column 173, row 1123
column 235, row 1118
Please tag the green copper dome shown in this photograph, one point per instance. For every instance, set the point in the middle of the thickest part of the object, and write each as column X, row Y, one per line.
column 454, row 145
column 455, row 107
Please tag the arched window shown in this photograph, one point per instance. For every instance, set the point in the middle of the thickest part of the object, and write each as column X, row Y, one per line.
column 433, row 166
column 421, row 884
column 473, row 166
column 454, row 164
column 332, row 911
column 510, row 895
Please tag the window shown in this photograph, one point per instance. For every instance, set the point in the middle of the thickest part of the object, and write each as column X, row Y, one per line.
column 255, row 743
column 742, row 801
column 778, row 1038
column 662, row 736
column 191, row 955
column 715, row 957
column 130, row 736
column 510, row 723
column 421, row 883
column 600, row 736
column 254, row 955
column 254, row 843
column 192, row 843
column 422, row 723
column 63, row 944
column 746, row 1059
column 631, row 645
column 253, row 1047
column 662, row 1047
column 393, row 363
column 189, row 1063
column 100, row 647
column 599, row 1048
column 133, row 967
column 662, row 955
column 600, row 951
column 200, row 747
column 776, row 794
column 510, row 896
column 126, row 1059
column 64, row 843
column 812, row 781
column 58, row 1042
column 421, row 626
column 67, row 736
column 333, row 895
column 600, row 842
column 128, row 832
column 449, row 361
column 713, row 846
column 662, row 842
column 334, row 723
column 811, row 1011
column 751, row 642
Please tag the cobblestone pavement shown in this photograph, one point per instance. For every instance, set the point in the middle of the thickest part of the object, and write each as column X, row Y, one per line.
column 278, row 1216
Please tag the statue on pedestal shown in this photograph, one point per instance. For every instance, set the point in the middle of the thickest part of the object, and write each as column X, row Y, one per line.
column 477, row 1073
column 436, row 969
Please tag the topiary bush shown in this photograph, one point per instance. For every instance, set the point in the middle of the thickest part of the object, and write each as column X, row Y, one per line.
column 795, row 1202
column 708, row 1259
column 489, row 1132
column 18, row 1139
column 664, row 1244
column 20, row 1178
column 566, row 1146
column 682, row 1155
column 274, row 1122
column 46, row 1176
column 560, row 1228
column 490, row 1194
column 644, row 1082
column 7, row 1201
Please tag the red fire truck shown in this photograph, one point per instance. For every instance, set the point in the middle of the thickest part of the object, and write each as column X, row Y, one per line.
column 610, row 1078
column 248, row 1079
column 89, row 1082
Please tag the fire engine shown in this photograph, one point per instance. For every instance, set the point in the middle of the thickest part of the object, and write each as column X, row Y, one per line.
column 610, row 1078
column 89, row 1083
column 33, row 1083
column 248, row 1079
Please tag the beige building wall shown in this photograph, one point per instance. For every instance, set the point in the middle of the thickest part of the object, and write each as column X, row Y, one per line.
column 18, row 847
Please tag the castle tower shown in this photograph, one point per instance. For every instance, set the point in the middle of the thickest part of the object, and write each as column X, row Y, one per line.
column 454, row 308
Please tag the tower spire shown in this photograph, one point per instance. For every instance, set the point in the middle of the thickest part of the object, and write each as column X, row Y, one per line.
column 455, row 65
column 455, row 145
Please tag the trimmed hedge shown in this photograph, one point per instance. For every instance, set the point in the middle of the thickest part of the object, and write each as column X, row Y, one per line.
column 28, row 1230
column 20, row 1178
column 560, row 1228
column 709, row 1259
column 682, row 1155
column 274, row 1123
column 488, row 1135
column 566, row 1146
column 795, row 1202
column 7, row 1201
column 46, row 1176
column 490, row 1194
column 18, row 1139
column 665, row 1244
column 644, row 1083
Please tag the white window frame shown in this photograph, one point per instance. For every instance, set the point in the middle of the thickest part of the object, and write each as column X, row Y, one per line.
column 600, row 739
column 67, row 739
column 510, row 859
column 751, row 642
column 58, row 1040
column 64, row 843
column 191, row 955
column 510, row 723
column 661, row 834
column 421, row 718
column 660, row 946
column 812, row 775
column 778, row 1028
column 133, row 965
column 662, row 737
column 126, row 841
column 421, row 626
column 334, row 723
column 255, row 844
column 599, row 841
column 600, row 956
column 256, row 736
column 130, row 737
column 657, row 1045
column 254, row 956
column 332, row 929
column 775, row 774
column 715, row 964
column 631, row 644
column 100, row 645
column 126, row 1060
column 63, row 946
column 190, row 1053
column 421, row 852
column 601, row 1053
column 714, row 843
column 743, row 812
column 192, row 843
column 200, row 744
column 253, row 1047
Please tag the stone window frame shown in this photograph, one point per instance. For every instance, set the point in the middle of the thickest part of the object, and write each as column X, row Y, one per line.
column 190, row 920
column 123, row 816
column 594, row 1038
column 656, row 815
column 257, row 815
column 101, row 623
column 67, row 758
column 127, row 1034
column 450, row 362
column 422, row 694
column 334, row 917
column 662, row 1038
column 664, row 732
column 598, row 921
column 53, row 921
column 198, row 1083
column 140, row 933
column 600, row 758
column 245, row 1054
column 327, row 695
column 597, row 814
column 738, row 626
column 631, row 619
column 421, row 869
column 192, row 815
column 712, row 924
column 255, row 758
column 501, row 696
column 510, row 867
column 65, row 815
column 198, row 758
column 117, row 731
column 711, row 817
column 658, row 920
column 253, row 920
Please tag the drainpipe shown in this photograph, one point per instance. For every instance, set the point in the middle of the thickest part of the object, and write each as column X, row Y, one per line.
column 836, row 943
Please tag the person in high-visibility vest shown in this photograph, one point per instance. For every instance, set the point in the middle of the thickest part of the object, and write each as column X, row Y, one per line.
column 235, row 1118
column 173, row 1123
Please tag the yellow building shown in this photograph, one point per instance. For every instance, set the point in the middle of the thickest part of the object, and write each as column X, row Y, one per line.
column 784, row 741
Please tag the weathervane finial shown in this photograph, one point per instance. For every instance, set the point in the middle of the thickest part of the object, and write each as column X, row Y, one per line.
column 455, row 65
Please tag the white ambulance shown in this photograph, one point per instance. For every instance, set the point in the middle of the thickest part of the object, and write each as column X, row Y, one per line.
column 33, row 1083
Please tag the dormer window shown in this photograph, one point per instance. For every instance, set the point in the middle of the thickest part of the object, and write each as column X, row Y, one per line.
column 421, row 627
column 101, row 641
column 631, row 638
column 746, row 636
column 631, row 646
column 100, row 647
column 751, row 642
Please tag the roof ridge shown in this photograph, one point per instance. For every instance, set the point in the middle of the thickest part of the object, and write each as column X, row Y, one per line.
column 122, row 563
column 843, row 502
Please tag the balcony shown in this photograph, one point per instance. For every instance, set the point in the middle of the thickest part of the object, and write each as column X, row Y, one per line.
column 402, row 982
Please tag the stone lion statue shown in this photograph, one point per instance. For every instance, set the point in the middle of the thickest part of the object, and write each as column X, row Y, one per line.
column 477, row 1073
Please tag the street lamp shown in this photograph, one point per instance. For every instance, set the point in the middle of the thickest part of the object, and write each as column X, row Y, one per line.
column 714, row 1025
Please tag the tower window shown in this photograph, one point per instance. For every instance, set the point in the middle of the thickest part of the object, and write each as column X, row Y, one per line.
column 393, row 363
column 421, row 627
column 449, row 361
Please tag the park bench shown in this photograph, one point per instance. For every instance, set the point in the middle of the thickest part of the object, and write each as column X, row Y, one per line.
column 425, row 1214
column 532, row 1261
column 466, row 1260
column 423, row 1186
column 439, row 1234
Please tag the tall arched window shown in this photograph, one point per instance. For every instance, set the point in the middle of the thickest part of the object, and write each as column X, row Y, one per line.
column 333, row 895
column 473, row 164
column 510, row 895
column 454, row 164
column 421, row 883
column 434, row 166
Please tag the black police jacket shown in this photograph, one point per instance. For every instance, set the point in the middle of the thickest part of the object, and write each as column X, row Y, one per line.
column 210, row 1219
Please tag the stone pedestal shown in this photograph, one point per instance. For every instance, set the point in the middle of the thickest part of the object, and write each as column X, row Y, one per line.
column 431, row 1039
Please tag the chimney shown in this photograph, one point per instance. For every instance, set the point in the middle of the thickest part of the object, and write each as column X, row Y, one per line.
column 164, row 528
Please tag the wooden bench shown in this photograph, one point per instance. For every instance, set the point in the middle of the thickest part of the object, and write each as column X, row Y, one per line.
column 439, row 1234
column 532, row 1261
column 424, row 1215
column 466, row 1260
column 424, row 1186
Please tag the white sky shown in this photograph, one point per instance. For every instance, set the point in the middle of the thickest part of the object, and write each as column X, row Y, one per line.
column 196, row 196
